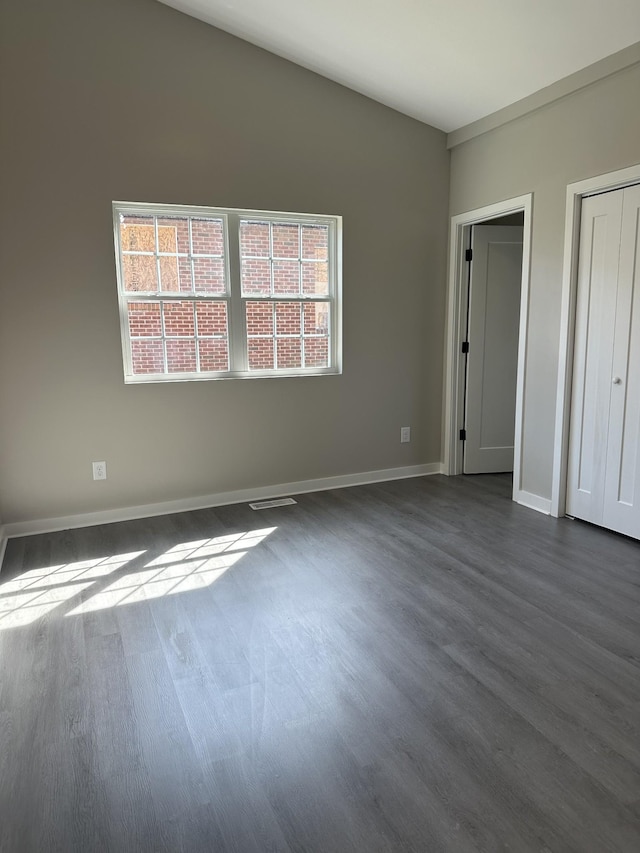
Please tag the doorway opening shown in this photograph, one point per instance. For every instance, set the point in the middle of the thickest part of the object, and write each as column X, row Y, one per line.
column 486, row 342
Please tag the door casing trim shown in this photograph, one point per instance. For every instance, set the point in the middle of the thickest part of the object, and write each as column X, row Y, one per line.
column 456, row 308
column 575, row 193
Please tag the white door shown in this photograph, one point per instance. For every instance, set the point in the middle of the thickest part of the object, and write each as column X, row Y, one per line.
column 603, row 481
column 492, row 361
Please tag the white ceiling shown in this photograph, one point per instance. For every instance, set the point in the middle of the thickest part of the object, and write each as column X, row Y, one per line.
column 445, row 62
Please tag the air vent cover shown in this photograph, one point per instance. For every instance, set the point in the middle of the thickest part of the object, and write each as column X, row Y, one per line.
column 270, row 504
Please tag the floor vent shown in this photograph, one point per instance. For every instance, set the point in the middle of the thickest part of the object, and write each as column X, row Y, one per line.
column 270, row 504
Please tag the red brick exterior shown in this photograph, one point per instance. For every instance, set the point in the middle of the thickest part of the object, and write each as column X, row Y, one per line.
column 283, row 259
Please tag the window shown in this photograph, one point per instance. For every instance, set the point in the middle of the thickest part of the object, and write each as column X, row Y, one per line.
column 209, row 293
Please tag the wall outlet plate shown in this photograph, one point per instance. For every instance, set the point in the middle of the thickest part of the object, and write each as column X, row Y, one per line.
column 405, row 434
column 99, row 470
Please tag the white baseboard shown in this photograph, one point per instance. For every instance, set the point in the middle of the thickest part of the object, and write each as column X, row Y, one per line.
column 533, row 502
column 3, row 544
column 50, row 525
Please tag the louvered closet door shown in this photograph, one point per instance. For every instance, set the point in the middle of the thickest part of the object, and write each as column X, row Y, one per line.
column 603, row 483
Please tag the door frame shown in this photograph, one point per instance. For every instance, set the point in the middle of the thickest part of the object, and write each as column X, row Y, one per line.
column 575, row 193
column 456, row 326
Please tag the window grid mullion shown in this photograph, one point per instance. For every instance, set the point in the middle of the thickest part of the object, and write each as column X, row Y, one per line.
column 172, row 254
column 251, row 257
column 236, row 312
column 285, row 297
column 172, row 296
column 191, row 261
column 157, row 250
column 163, row 329
column 272, row 290
column 275, row 338
column 291, row 336
column 195, row 336
column 300, row 260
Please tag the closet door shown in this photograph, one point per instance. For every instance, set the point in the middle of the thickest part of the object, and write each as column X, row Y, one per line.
column 593, row 357
column 622, row 480
column 603, row 483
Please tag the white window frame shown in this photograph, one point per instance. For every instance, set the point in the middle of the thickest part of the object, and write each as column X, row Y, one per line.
column 236, row 302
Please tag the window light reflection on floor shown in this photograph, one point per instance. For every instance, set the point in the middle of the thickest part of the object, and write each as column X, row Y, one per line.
column 183, row 568
column 187, row 566
column 39, row 591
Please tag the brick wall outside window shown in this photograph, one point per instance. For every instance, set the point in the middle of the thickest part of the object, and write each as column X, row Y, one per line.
column 285, row 260
column 282, row 267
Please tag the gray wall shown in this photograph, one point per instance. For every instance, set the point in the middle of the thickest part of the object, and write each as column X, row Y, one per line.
column 591, row 132
column 128, row 99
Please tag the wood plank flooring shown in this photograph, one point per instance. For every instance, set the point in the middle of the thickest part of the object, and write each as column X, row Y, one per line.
column 419, row 665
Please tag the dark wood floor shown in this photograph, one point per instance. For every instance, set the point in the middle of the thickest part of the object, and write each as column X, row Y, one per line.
column 414, row 666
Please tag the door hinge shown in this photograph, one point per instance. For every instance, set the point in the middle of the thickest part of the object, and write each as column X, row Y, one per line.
column 463, row 435
column 465, row 346
column 468, row 255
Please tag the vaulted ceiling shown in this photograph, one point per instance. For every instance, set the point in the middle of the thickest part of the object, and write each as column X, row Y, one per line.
column 445, row 62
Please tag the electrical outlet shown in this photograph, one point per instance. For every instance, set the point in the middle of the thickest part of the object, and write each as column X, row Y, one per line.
column 405, row 434
column 99, row 470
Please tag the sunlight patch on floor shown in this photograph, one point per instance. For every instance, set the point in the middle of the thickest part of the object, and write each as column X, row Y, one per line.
column 183, row 568
column 37, row 592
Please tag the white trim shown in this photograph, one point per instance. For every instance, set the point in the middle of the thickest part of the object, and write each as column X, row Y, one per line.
column 3, row 544
column 50, row 525
column 575, row 193
column 453, row 363
column 533, row 502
